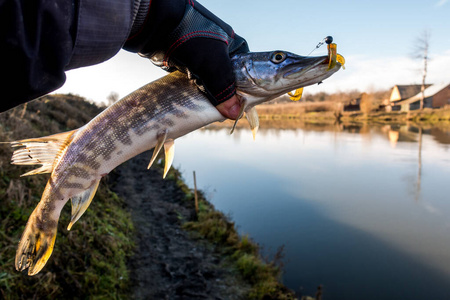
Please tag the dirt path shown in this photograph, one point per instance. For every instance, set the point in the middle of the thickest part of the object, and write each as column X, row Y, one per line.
column 168, row 264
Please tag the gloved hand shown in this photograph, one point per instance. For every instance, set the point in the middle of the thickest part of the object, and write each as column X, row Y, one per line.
column 183, row 35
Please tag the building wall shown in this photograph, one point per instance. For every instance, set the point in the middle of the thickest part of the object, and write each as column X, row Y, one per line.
column 427, row 103
column 442, row 98
column 395, row 95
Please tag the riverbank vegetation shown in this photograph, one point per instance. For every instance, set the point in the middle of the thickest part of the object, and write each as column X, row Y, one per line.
column 348, row 107
column 262, row 274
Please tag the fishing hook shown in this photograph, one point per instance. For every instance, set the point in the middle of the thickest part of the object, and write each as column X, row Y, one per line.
column 327, row 39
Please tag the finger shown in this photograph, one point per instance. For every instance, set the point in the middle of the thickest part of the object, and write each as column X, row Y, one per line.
column 230, row 108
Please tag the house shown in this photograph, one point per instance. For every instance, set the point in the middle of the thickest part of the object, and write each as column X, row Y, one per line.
column 435, row 96
column 403, row 92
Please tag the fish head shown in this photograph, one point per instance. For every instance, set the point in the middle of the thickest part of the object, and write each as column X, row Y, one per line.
column 262, row 76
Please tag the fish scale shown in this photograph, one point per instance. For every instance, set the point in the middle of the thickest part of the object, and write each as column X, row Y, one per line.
column 150, row 117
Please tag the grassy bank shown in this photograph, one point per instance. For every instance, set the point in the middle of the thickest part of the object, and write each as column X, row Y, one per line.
column 242, row 253
column 88, row 261
column 426, row 116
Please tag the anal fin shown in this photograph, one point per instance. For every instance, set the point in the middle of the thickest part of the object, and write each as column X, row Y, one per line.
column 81, row 202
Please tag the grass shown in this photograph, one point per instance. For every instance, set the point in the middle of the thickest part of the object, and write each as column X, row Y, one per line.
column 90, row 260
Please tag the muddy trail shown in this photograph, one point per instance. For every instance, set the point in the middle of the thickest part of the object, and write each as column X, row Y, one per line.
column 168, row 263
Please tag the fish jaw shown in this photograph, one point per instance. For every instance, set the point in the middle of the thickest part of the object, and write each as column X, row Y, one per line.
column 260, row 77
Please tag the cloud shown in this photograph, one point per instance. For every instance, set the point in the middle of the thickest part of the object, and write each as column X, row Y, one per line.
column 441, row 3
column 122, row 74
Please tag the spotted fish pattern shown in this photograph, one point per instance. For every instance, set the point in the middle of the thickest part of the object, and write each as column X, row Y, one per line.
column 129, row 127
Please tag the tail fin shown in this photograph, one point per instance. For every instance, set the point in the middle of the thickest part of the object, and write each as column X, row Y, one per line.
column 41, row 151
column 36, row 244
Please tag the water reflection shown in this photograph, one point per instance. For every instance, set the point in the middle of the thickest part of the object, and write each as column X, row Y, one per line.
column 362, row 209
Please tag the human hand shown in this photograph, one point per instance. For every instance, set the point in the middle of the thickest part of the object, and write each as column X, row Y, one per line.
column 230, row 108
column 196, row 42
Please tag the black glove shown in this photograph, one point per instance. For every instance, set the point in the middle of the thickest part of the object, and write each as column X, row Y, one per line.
column 183, row 35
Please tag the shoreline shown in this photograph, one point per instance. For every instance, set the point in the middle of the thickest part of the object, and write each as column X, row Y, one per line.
column 293, row 112
column 425, row 119
column 184, row 255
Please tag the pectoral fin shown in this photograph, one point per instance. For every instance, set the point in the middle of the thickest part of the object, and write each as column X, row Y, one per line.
column 253, row 120
column 161, row 140
column 241, row 113
column 169, row 149
column 81, row 202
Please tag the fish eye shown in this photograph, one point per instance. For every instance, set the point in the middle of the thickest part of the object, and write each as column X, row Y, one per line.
column 278, row 57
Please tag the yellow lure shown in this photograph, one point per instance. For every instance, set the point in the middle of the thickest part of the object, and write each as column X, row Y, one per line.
column 297, row 95
column 332, row 55
column 340, row 59
column 333, row 58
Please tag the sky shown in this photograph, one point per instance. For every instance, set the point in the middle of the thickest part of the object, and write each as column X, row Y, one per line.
column 377, row 38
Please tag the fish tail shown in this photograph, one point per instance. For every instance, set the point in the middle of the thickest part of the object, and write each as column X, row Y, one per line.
column 37, row 241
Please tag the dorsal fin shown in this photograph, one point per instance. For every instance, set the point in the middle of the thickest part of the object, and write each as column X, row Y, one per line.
column 41, row 151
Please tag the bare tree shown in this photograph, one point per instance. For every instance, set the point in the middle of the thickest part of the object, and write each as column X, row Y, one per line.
column 421, row 52
column 112, row 98
column 366, row 103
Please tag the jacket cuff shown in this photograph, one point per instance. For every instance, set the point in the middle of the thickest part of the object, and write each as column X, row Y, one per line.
column 224, row 95
column 102, row 28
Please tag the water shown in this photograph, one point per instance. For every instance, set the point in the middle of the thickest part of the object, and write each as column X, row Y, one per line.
column 363, row 211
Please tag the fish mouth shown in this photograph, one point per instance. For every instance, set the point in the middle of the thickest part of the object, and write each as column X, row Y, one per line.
column 310, row 67
column 305, row 71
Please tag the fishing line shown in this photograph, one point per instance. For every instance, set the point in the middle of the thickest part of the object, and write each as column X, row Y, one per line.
column 327, row 39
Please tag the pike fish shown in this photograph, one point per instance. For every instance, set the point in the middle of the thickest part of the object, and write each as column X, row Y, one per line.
column 150, row 117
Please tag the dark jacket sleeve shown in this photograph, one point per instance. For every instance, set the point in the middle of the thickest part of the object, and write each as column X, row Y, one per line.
column 41, row 39
column 184, row 35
